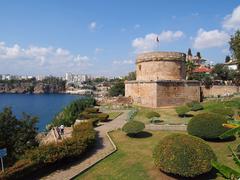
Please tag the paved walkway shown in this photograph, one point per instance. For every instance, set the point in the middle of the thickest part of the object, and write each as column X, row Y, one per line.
column 103, row 149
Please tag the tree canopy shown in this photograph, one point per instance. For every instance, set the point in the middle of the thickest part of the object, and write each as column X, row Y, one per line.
column 17, row 135
column 235, row 46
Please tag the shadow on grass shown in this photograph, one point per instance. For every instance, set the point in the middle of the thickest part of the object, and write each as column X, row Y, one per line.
column 210, row 175
column 143, row 134
column 186, row 115
column 233, row 138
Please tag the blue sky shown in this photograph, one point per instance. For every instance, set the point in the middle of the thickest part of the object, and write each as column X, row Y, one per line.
column 103, row 37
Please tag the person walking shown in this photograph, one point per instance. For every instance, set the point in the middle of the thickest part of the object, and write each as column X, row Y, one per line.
column 62, row 129
column 58, row 132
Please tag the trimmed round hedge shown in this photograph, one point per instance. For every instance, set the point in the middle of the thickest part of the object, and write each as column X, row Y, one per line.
column 183, row 155
column 182, row 110
column 227, row 111
column 152, row 114
column 133, row 127
column 207, row 125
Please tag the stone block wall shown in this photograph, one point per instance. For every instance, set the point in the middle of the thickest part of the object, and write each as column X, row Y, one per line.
column 142, row 93
column 162, row 93
column 215, row 90
column 160, row 70
column 174, row 93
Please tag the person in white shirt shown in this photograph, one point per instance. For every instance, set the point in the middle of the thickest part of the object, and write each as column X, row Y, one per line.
column 62, row 129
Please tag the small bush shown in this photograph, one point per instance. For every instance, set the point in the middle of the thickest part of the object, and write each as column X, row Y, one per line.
column 91, row 110
column 227, row 111
column 183, row 155
column 182, row 110
column 94, row 121
column 155, row 120
column 133, row 127
column 207, row 125
column 152, row 114
column 190, row 104
column 197, row 107
column 102, row 117
column 132, row 114
column 86, row 115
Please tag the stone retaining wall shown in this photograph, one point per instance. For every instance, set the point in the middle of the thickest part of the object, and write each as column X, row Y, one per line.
column 219, row 90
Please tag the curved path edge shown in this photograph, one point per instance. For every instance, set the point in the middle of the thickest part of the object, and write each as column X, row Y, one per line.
column 104, row 148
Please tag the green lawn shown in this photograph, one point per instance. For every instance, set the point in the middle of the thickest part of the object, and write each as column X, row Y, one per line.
column 133, row 160
column 169, row 115
column 113, row 115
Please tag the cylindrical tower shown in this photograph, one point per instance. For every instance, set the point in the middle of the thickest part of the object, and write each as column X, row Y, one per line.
column 155, row 66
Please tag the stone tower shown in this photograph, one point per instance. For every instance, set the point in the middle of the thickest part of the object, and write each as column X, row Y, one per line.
column 160, row 81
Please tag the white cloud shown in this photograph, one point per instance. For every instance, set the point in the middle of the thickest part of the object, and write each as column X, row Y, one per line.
column 123, row 62
column 93, row 25
column 149, row 43
column 210, row 39
column 232, row 21
column 48, row 60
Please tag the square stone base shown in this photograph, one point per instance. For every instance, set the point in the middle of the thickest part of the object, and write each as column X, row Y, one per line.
column 163, row 92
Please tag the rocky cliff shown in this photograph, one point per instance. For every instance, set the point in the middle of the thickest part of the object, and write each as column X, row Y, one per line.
column 36, row 87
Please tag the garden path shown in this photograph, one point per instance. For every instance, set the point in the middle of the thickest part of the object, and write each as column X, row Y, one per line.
column 104, row 148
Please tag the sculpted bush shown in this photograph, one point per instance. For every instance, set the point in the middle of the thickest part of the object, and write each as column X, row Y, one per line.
column 207, row 125
column 102, row 117
column 195, row 106
column 227, row 111
column 152, row 114
column 182, row 110
column 156, row 120
column 91, row 110
column 133, row 127
column 183, row 155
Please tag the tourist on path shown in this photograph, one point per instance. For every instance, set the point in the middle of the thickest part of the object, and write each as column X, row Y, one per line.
column 58, row 132
column 62, row 129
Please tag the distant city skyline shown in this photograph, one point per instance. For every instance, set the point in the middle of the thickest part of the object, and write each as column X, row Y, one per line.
column 104, row 37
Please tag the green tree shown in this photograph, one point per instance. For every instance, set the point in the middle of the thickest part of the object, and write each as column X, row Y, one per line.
column 117, row 89
column 189, row 52
column 199, row 55
column 227, row 59
column 235, row 46
column 131, row 76
column 17, row 135
column 220, row 72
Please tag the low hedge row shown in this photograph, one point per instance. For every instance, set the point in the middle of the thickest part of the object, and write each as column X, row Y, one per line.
column 97, row 116
column 83, row 138
column 152, row 114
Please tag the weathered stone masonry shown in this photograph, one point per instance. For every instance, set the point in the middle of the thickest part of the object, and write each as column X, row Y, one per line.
column 161, row 81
